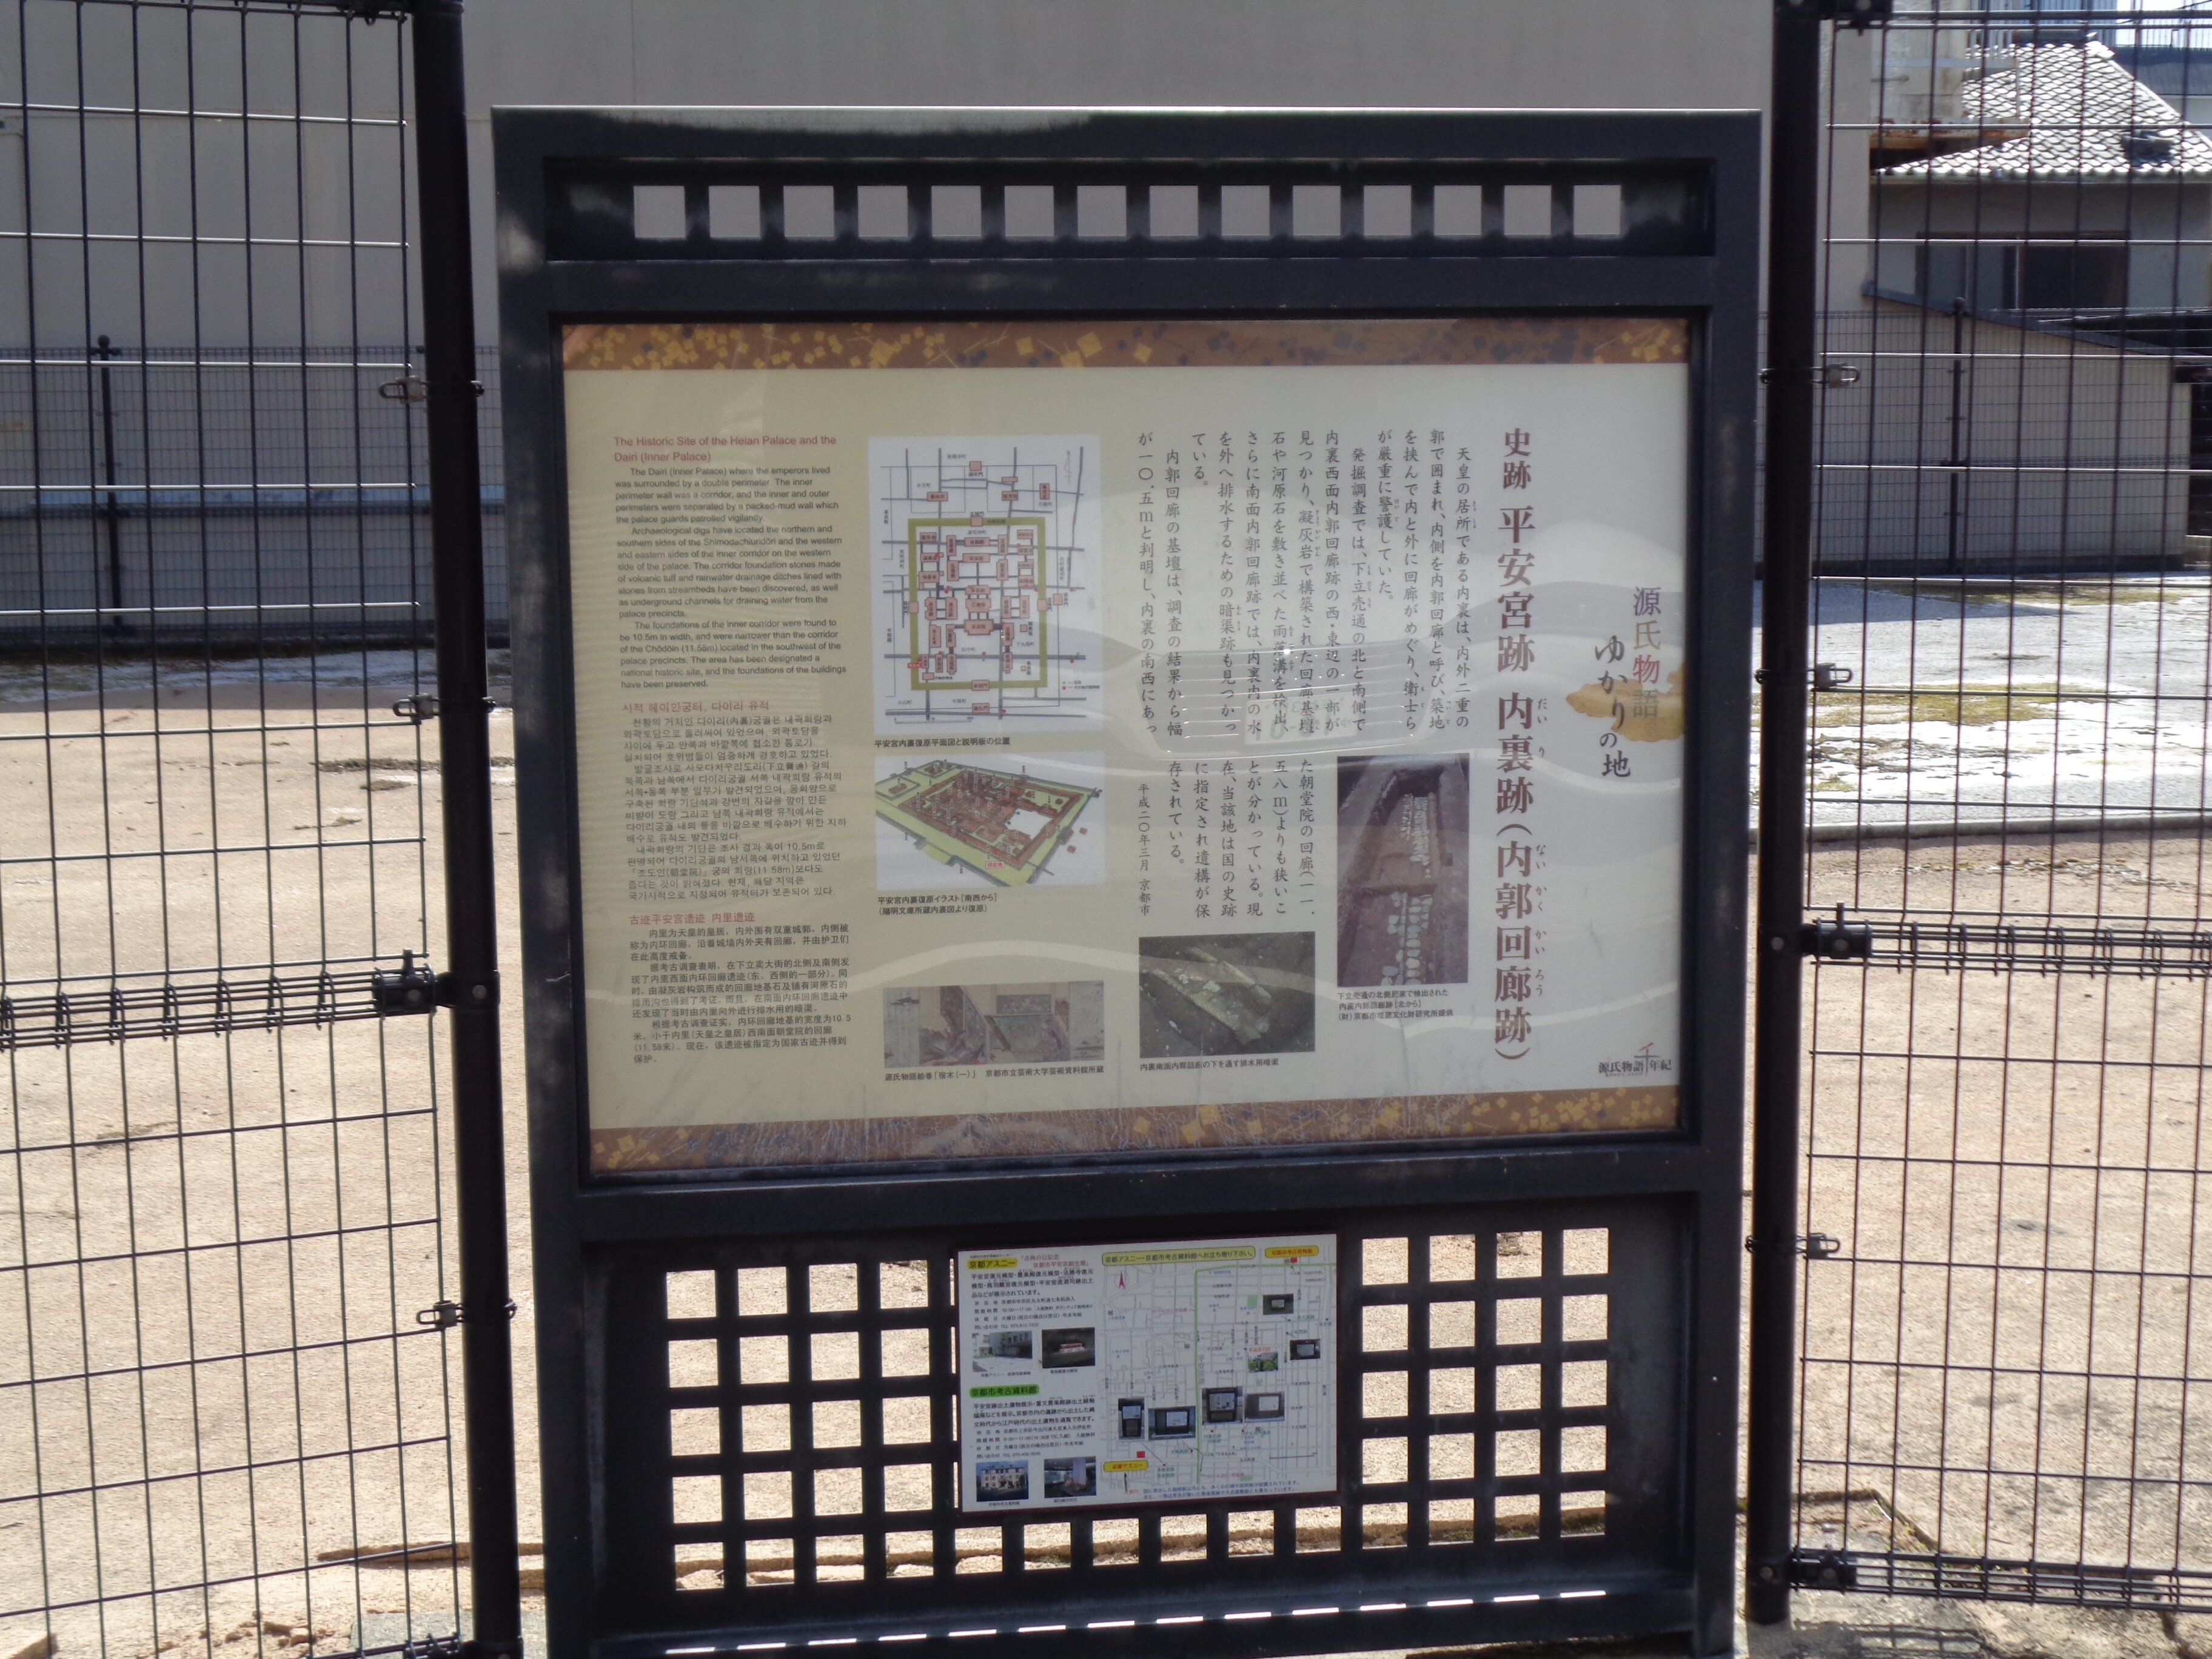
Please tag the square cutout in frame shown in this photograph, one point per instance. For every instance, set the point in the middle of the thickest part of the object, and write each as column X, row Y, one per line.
column 810, row 215
column 883, row 214
column 1316, row 210
column 1527, row 210
column 1520, row 1321
column 691, row 1295
column 1387, row 210
column 1102, row 211
column 1598, row 211
column 1029, row 219
column 1582, row 1514
column 1174, row 210
column 955, row 214
column 733, row 213
column 833, row 1288
column 657, row 213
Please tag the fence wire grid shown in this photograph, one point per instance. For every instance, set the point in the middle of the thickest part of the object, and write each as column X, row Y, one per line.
column 222, row 1426
column 223, row 1201
column 2006, row 1381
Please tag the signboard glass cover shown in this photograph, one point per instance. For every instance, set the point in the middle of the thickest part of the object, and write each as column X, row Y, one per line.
column 1024, row 738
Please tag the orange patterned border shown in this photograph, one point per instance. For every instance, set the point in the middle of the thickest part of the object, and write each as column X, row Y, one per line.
column 1133, row 1129
column 1249, row 344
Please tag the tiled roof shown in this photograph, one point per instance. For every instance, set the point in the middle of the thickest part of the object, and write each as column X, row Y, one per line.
column 2083, row 116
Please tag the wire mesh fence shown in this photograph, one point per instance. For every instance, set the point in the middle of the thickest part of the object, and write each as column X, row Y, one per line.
column 246, row 500
column 225, row 1416
column 2006, row 1349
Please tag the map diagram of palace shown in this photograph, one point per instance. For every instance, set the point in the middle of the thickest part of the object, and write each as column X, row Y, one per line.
column 1149, row 1373
column 1007, row 823
column 985, row 585
column 1229, row 1369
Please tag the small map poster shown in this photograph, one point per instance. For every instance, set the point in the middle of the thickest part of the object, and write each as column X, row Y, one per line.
column 1147, row 1373
column 1051, row 739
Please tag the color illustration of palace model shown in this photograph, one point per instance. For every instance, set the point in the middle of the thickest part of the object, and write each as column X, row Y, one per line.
column 1003, row 826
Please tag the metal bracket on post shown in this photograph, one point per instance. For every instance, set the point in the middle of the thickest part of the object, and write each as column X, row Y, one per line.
column 1814, row 1247
column 417, row 708
column 412, row 990
column 1828, row 375
column 1826, row 676
column 416, row 990
column 444, row 1315
column 1832, row 939
column 1826, row 1569
column 414, row 389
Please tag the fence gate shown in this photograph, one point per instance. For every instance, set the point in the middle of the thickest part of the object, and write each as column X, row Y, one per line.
column 230, row 1255
column 2002, row 1383
column 1116, row 712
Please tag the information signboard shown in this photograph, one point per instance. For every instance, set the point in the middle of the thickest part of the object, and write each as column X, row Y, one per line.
column 1131, row 753
column 1147, row 1373
column 1118, row 735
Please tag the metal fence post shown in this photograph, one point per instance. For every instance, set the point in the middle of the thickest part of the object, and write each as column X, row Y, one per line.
column 472, row 987
column 1793, row 249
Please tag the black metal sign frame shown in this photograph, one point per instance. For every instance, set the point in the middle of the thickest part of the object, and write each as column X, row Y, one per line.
column 1378, row 1568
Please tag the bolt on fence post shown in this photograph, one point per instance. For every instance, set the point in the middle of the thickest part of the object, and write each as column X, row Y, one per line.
column 1793, row 287
column 441, row 171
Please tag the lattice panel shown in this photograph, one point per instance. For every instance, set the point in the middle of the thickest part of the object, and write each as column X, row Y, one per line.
column 782, row 1432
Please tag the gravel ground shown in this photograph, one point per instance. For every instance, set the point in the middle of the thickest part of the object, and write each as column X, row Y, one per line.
column 1975, row 702
column 318, row 1214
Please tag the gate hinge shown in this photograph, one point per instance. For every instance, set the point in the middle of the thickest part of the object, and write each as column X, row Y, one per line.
column 1857, row 12
column 416, row 990
column 417, row 708
column 1832, row 939
column 1823, row 1569
column 1814, row 1247
column 444, row 1315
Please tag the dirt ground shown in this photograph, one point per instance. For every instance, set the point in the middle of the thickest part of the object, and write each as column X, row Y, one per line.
column 210, row 1243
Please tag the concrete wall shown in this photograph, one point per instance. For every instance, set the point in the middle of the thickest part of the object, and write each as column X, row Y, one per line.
column 2164, row 225
column 232, row 204
column 1512, row 54
column 2074, row 452
column 228, row 177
